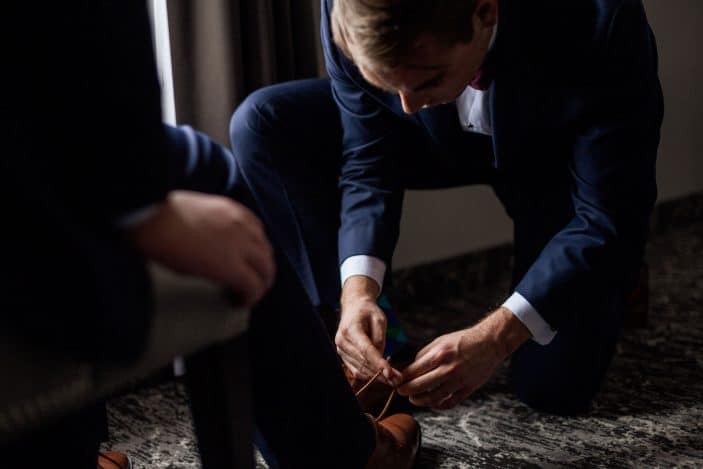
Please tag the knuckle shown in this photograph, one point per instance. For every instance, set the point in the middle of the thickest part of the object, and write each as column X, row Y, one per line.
column 345, row 333
column 226, row 211
column 439, row 357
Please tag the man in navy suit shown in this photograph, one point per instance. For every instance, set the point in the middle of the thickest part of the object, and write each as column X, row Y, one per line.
column 556, row 105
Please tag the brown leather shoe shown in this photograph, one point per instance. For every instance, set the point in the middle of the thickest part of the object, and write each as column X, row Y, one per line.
column 113, row 460
column 397, row 442
column 374, row 396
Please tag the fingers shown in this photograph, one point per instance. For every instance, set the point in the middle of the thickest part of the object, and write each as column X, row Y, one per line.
column 252, row 257
column 243, row 216
column 377, row 327
column 358, row 352
column 246, row 267
column 359, row 349
column 361, row 339
column 259, row 252
column 424, row 383
column 355, row 363
column 425, row 361
column 261, row 259
column 455, row 399
column 247, row 284
column 350, row 369
column 437, row 375
column 436, row 395
column 425, row 350
column 373, row 359
column 438, row 389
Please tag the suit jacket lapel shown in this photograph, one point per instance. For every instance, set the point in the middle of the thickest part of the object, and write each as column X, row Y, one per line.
column 442, row 122
column 505, row 95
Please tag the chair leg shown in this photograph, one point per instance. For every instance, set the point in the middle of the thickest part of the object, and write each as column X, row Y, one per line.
column 220, row 399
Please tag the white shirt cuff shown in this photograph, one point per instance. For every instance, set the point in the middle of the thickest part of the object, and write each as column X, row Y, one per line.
column 137, row 217
column 542, row 333
column 368, row 266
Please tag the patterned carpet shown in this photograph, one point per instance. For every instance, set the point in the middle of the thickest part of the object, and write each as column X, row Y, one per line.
column 649, row 414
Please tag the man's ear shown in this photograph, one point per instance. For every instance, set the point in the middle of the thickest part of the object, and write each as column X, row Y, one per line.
column 486, row 13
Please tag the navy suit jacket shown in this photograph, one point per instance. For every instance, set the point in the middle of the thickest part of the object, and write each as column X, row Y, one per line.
column 83, row 146
column 576, row 103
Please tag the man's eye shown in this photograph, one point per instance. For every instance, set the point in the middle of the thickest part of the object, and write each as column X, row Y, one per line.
column 433, row 83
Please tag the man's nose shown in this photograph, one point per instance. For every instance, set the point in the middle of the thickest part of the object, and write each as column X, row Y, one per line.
column 411, row 102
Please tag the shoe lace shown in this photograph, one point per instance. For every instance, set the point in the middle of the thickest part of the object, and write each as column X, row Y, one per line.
column 388, row 401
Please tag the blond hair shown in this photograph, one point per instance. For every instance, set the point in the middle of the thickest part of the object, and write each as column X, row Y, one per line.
column 382, row 34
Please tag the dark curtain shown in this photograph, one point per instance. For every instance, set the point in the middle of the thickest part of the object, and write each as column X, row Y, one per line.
column 223, row 50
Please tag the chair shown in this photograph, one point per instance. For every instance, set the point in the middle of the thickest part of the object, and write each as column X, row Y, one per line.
column 193, row 319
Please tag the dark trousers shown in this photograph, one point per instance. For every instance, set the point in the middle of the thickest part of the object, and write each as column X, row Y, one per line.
column 71, row 442
column 287, row 143
column 305, row 411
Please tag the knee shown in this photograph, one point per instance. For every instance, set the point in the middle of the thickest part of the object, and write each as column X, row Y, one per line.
column 255, row 117
column 566, row 398
column 289, row 114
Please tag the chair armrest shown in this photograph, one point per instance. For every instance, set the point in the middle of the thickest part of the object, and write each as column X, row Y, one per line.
column 190, row 315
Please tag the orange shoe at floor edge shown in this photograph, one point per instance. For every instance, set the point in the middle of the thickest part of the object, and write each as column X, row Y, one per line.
column 113, row 460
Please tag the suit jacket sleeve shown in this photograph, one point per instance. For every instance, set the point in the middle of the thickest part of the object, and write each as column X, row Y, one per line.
column 86, row 127
column 613, row 179
column 198, row 163
column 83, row 146
column 369, row 181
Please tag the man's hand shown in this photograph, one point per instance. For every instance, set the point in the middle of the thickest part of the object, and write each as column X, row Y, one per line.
column 361, row 335
column 212, row 237
column 453, row 366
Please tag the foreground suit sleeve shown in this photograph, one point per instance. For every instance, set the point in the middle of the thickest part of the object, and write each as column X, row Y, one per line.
column 87, row 103
column 198, row 163
column 84, row 146
column 613, row 179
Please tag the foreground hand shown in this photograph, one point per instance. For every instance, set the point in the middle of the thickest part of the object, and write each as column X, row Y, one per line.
column 361, row 335
column 453, row 366
column 212, row 237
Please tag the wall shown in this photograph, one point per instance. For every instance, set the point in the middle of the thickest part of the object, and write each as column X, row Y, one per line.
column 445, row 223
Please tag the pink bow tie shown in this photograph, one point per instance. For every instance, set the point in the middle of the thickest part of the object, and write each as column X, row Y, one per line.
column 483, row 79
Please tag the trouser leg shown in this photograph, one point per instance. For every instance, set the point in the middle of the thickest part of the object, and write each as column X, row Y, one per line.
column 304, row 406
column 564, row 377
column 72, row 442
column 286, row 141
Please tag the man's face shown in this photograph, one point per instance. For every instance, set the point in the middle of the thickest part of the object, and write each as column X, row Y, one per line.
column 435, row 74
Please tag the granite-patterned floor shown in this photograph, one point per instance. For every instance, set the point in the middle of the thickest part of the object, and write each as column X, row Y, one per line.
column 649, row 414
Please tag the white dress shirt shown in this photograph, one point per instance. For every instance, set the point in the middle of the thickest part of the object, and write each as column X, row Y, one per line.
column 474, row 115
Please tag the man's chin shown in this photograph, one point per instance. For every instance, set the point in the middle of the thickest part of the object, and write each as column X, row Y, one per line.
column 447, row 101
column 440, row 103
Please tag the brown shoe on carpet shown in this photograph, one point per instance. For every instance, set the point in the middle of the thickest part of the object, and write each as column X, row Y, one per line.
column 397, row 442
column 113, row 460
